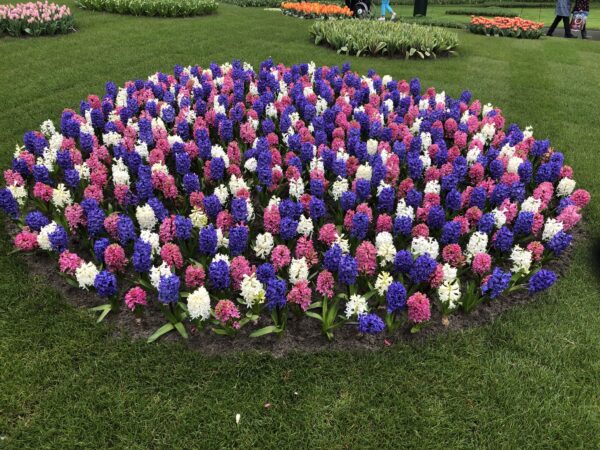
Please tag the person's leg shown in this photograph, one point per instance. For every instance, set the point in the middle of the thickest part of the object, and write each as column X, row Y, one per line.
column 383, row 5
column 553, row 26
column 389, row 8
column 567, row 26
column 584, row 31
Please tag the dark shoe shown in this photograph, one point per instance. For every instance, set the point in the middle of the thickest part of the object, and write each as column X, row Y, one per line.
column 583, row 35
column 549, row 33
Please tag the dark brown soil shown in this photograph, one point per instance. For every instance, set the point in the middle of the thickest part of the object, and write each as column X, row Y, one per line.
column 302, row 334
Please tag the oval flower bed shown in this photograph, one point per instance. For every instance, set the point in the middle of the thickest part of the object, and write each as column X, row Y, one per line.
column 157, row 8
column 394, row 39
column 35, row 19
column 310, row 10
column 506, row 26
column 231, row 197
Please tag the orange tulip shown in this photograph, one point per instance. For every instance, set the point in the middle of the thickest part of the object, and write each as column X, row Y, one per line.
column 318, row 9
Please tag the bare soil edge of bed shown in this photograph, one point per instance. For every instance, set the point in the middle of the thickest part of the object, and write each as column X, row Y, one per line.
column 302, row 334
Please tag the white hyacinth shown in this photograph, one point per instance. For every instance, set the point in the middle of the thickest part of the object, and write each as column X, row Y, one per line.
column 364, row 171
column 298, row 270
column 61, row 196
column 521, row 259
column 565, row 187
column 85, row 275
column 551, row 227
column 157, row 272
column 145, row 217
column 339, row 187
column 296, row 188
column 252, row 290
column 372, row 146
column 421, row 245
column 449, row 293
column 477, row 244
column 19, row 193
column 404, row 210
column 531, row 204
column 356, row 306
column 305, row 226
column 151, row 238
column 384, row 279
column 263, row 245
column 199, row 218
column 43, row 238
column 198, row 303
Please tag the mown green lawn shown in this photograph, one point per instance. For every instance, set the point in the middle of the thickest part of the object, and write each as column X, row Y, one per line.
column 529, row 379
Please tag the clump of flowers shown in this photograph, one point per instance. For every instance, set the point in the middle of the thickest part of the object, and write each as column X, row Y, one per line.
column 506, row 26
column 226, row 195
column 314, row 10
column 35, row 19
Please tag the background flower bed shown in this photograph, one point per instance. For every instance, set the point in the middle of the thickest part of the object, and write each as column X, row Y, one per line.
column 225, row 190
column 506, row 27
column 311, row 10
column 393, row 39
column 157, row 8
column 35, row 19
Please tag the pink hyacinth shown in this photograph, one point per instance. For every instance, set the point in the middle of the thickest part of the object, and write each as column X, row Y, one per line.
column 166, row 231
column 135, row 296
column 171, row 254
column 580, row 197
column 300, row 294
column 436, row 278
column 366, row 257
column 42, row 191
column 114, row 257
column 74, row 215
column 482, row 263
column 26, row 240
column 280, row 257
column 69, row 262
column 194, row 276
column 111, row 224
column 384, row 223
column 420, row 230
column 271, row 219
column 328, row 234
column 225, row 311
column 538, row 223
column 93, row 192
column 569, row 217
column 325, row 283
column 418, row 308
column 453, row 255
column 224, row 220
column 537, row 250
column 305, row 248
column 238, row 268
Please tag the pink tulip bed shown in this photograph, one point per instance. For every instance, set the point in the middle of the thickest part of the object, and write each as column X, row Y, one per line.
column 228, row 198
column 35, row 19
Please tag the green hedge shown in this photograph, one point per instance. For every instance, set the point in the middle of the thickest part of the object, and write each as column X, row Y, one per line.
column 255, row 3
column 394, row 39
column 159, row 8
column 486, row 12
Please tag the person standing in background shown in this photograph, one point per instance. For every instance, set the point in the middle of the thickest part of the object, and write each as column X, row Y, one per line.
column 563, row 11
column 385, row 7
column 583, row 6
